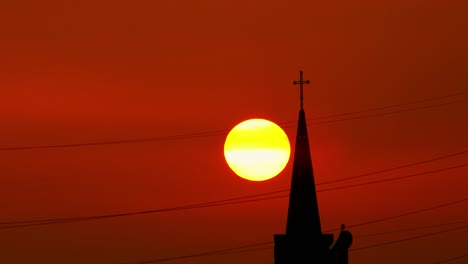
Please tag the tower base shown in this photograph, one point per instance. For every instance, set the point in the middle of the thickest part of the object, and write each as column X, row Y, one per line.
column 302, row 249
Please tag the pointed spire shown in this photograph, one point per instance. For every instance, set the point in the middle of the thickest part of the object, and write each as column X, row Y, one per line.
column 303, row 241
column 303, row 213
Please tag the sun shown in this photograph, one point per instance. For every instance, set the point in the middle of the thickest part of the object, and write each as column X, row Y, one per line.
column 257, row 149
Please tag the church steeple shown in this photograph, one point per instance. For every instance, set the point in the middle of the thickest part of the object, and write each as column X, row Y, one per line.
column 303, row 241
column 303, row 213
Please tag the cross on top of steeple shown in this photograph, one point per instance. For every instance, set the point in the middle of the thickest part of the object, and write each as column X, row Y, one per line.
column 301, row 82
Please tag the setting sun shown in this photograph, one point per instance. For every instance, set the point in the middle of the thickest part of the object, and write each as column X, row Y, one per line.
column 257, row 149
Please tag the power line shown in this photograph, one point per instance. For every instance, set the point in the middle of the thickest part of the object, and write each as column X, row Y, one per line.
column 408, row 238
column 258, row 195
column 123, row 141
column 270, row 247
column 413, row 229
column 238, row 200
column 224, row 132
column 219, row 202
column 27, row 223
column 384, row 233
column 259, row 249
column 391, row 106
column 393, row 179
column 233, row 251
column 223, row 202
column 265, row 243
column 450, row 259
column 383, row 108
column 242, row 251
column 391, row 113
column 8, row 225
column 207, row 253
column 248, row 248
column 397, row 167
column 409, row 213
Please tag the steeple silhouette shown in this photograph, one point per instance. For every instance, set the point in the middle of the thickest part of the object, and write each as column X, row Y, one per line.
column 303, row 241
column 303, row 212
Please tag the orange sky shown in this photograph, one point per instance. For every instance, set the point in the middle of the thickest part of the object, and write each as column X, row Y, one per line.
column 86, row 71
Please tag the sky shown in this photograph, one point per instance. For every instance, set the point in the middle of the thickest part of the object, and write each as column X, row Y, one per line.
column 75, row 72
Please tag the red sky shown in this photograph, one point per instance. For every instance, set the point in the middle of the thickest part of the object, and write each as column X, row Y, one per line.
column 86, row 71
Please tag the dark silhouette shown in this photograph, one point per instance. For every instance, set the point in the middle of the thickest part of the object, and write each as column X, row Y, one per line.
column 304, row 241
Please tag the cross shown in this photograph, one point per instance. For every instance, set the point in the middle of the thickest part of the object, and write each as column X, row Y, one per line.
column 301, row 82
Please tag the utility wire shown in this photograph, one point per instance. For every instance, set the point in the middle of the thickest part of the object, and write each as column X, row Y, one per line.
column 211, row 253
column 208, row 253
column 199, row 205
column 409, row 213
column 224, row 132
column 413, row 229
column 391, row 112
column 241, row 251
column 124, row 141
column 233, row 251
column 393, row 179
column 247, row 248
column 27, row 223
column 14, row 224
column 230, row 250
column 397, row 167
column 264, row 248
column 408, row 238
column 225, row 201
column 221, row 202
column 267, row 248
column 390, row 106
column 451, row 259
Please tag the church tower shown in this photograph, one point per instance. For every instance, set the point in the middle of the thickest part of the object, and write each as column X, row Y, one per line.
column 303, row 241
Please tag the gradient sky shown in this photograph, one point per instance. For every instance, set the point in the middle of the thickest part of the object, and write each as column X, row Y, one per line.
column 86, row 71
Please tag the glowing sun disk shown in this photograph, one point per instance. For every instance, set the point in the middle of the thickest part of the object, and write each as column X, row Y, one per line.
column 257, row 149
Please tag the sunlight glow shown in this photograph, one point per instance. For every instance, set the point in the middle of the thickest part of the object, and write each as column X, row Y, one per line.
column 257, row 149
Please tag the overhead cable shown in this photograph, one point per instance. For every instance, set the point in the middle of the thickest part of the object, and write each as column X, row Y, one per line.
column 224, row 132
